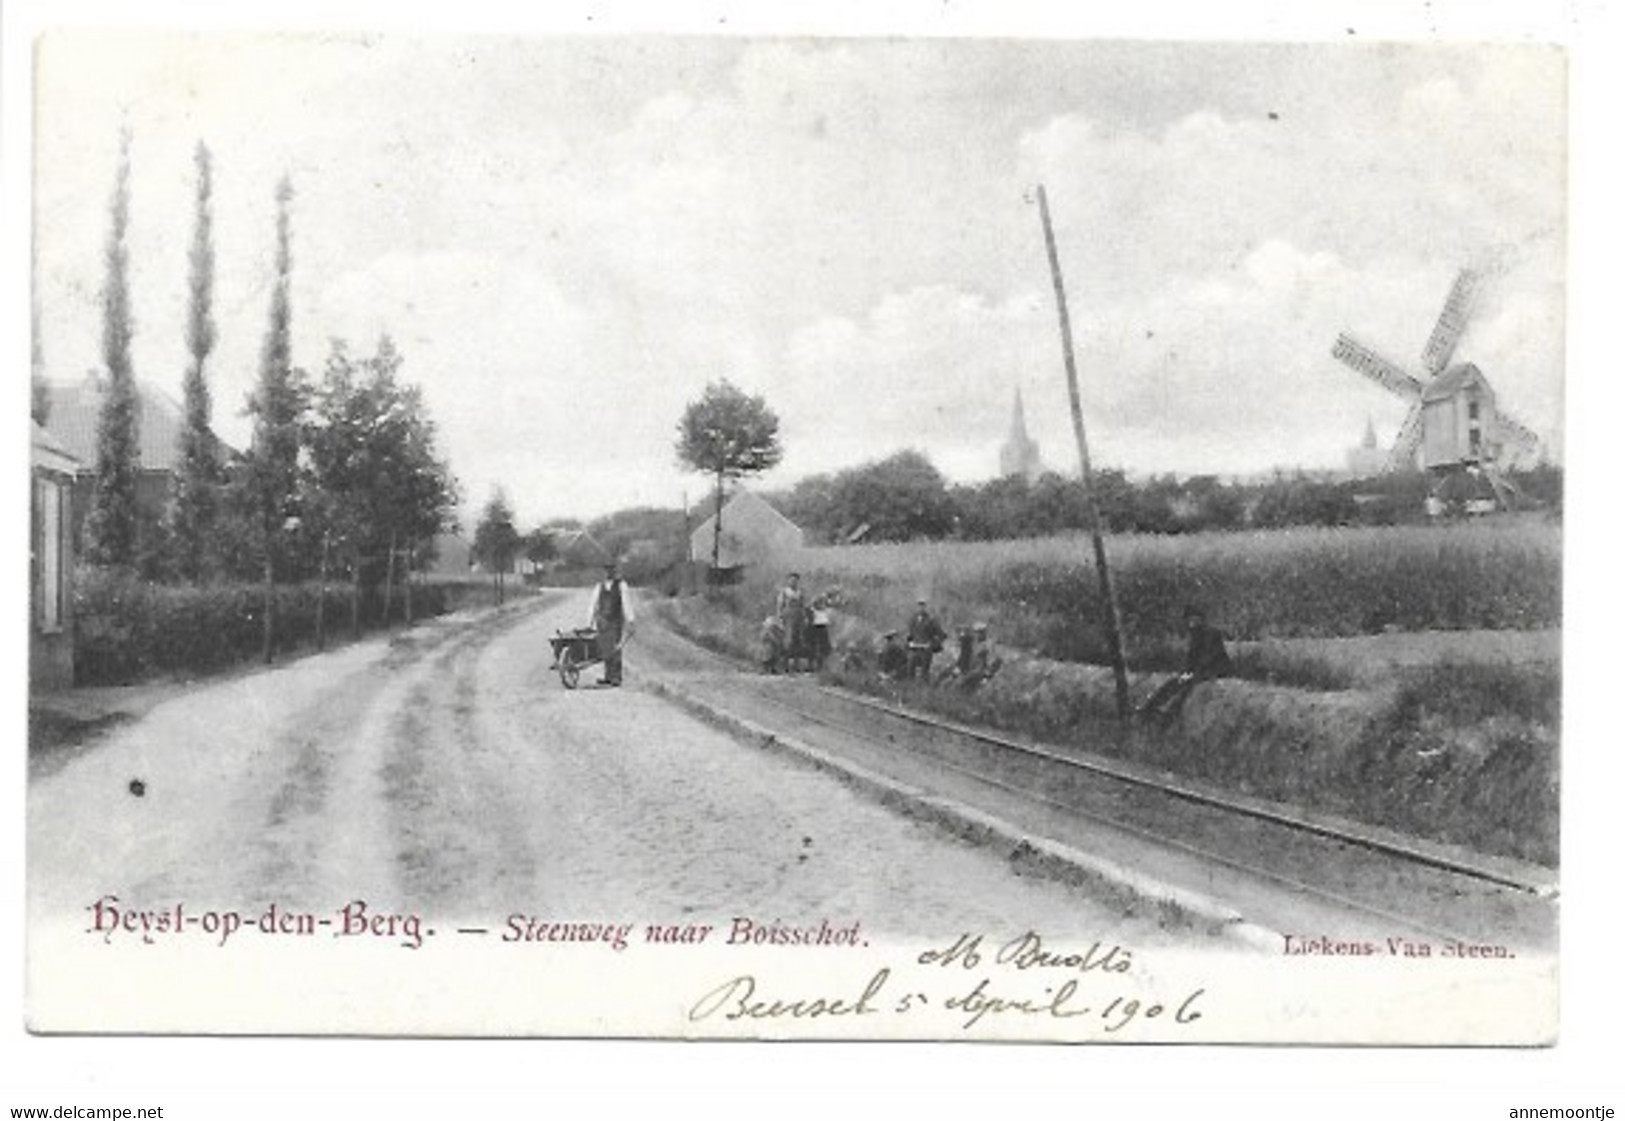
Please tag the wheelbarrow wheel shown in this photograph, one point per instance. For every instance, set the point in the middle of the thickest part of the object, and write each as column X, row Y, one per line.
column 569, row 669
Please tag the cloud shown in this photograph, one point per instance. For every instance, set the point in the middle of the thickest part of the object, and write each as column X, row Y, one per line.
column 570, row 238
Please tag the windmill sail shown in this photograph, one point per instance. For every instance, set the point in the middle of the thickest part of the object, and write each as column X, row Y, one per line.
column 1452, row 322
column 1403, row 457
column 1357, row 356
column 1516, row 442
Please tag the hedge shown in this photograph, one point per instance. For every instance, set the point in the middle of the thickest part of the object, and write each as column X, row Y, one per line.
column 128, row 628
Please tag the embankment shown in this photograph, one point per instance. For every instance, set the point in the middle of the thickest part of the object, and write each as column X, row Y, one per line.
column 1464, row 754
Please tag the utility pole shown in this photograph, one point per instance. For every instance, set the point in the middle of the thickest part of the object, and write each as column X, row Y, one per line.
column 1114, row 625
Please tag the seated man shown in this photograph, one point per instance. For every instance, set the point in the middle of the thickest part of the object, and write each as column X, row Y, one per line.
column 965, row 640
column 1205, row 659
column 893, row 660
column 984, row 659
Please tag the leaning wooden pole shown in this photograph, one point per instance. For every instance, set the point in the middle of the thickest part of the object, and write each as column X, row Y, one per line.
column 1114, row 624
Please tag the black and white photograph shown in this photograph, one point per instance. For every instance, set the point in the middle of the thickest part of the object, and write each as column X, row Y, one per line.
column 606, row 533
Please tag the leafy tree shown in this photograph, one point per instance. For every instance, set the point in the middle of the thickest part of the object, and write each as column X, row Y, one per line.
column 198, row 477
column 899, row 498
column 270, row 474
column 376, row 486
column 727, row 434
column 496, row 541
column 539, row 546
column 110, row 526
column 414, row 496
column 811, row 505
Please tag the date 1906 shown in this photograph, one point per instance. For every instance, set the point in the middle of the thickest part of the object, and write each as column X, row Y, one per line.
column 1006, row 989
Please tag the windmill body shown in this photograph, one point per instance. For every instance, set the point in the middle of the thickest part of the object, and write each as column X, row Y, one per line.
column 1454, row 427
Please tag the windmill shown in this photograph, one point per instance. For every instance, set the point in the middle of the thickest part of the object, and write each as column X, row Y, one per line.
column 1454, row 427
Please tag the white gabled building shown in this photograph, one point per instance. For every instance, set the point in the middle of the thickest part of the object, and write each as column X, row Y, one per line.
column 752, row 531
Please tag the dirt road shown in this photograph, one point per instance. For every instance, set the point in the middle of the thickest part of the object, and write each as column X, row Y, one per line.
column 447, row 772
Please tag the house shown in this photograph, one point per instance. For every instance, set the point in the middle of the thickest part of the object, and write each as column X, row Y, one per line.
column 752, row 531
column 75, row 419
column 50, row 630
column 576, row 548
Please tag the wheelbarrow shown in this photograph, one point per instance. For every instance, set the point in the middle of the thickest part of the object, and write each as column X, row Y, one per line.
column 577, row 650
column 574, row 651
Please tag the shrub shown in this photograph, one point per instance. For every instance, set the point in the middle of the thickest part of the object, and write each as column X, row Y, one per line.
column 127, row 628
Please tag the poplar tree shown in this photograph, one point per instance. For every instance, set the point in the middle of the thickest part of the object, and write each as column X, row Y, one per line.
column 197, row 480
column 270, row 475
column 110, row 527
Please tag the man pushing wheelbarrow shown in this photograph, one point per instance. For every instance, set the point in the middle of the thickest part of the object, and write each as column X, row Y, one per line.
column 609, row 625
column 610, row 615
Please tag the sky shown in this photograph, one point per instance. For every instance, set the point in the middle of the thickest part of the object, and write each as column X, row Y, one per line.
column 569, row 237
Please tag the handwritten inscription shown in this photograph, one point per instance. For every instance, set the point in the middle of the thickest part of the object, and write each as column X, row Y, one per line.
column 737, row 999
column 1086, row 990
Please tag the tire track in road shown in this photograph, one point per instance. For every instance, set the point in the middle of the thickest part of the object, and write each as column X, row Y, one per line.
column 455, row 843
column 307, row 771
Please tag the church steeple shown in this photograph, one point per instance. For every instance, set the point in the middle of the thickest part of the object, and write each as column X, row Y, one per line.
column 1019, row 455
column 1018, row 422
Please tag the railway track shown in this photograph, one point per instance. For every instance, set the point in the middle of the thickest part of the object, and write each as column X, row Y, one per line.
column 1397, row 883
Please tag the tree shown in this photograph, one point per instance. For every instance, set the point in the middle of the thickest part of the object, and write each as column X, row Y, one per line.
column 269, row 478
column 375, row 479
column 899, row 498
column 539, row 546
column 110, row 526
column 197, row 477
column 495, row 538
column 729, row 435
column 810, row 504
column 414, row 494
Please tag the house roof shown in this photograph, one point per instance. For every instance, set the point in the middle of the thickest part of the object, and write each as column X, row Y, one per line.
column 1453, row 381
column 48, row 454
column 753, row 506
column 579, row 547
column 75, row 416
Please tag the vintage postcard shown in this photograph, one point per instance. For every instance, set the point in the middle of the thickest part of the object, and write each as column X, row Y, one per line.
column 764, row 536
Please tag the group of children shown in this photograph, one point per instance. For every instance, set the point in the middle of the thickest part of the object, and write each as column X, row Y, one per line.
column 909, row 655
column 796, row 636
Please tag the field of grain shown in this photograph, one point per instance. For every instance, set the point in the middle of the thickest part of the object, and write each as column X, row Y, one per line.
column 1042, row 595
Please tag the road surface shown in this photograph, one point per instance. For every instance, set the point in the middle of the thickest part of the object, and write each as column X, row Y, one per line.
column 446, row 772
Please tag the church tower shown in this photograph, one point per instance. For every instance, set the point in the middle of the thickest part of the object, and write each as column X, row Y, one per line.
column 1369, row 458
column 1019, row 455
